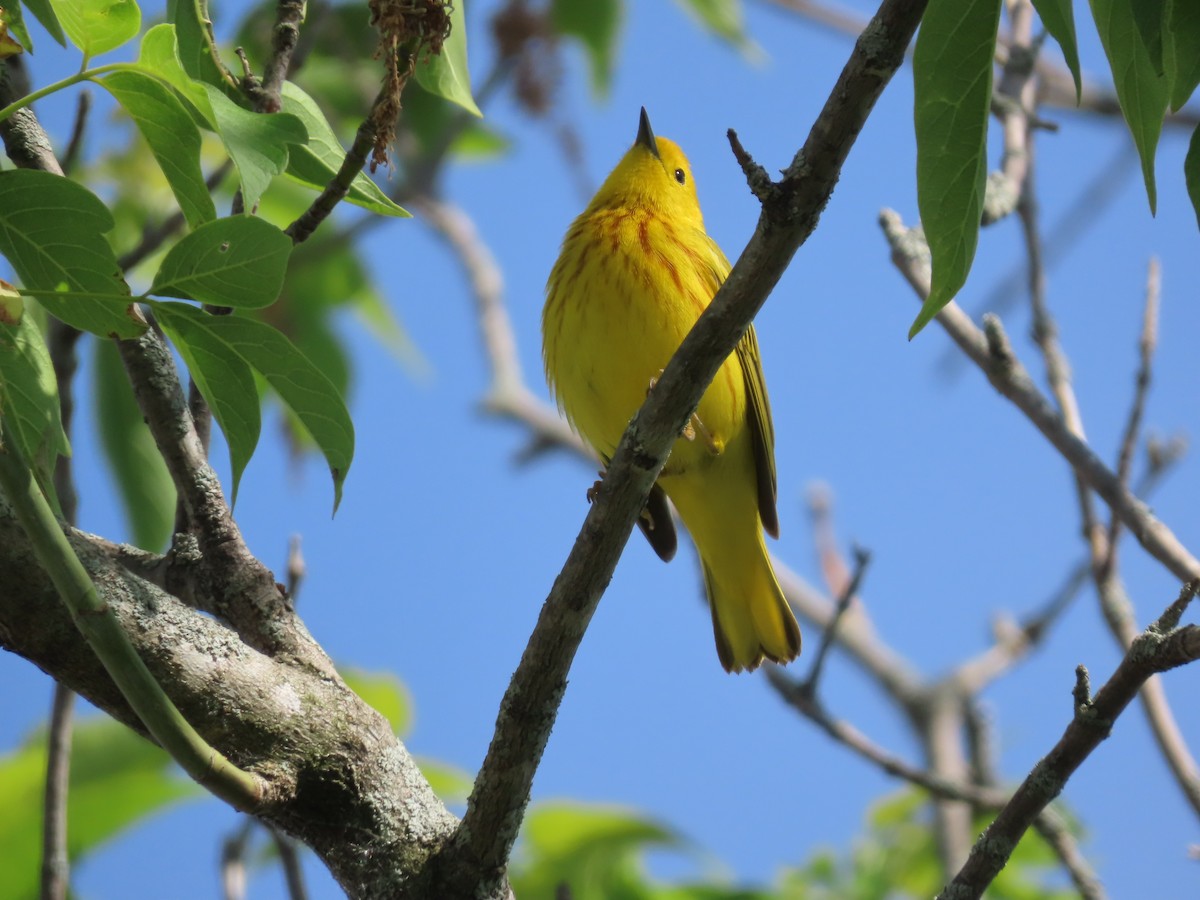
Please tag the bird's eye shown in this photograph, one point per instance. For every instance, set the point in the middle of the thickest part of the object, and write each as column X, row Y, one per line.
column 680, row 176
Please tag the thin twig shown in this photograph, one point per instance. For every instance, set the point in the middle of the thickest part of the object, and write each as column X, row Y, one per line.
column 289, row 859
column 862, row 559
column 286, row 33
column 1146, row 347
column 1153, row 652
column 233, row 861
column 508, row 395
column 83, row 106
column 56, row 865
column 296, row 568
column 1011, row 379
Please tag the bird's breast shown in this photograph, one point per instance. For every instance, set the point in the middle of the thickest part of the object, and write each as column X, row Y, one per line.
column 626, row 289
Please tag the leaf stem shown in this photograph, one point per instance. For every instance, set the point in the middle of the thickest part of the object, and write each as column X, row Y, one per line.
column 82, row 75
column 104, row 634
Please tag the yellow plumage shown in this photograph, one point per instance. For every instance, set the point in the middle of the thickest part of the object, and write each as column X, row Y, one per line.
column 635, row 271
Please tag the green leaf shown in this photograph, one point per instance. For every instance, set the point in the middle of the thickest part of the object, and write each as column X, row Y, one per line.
column 1059, row 20
column 117, row 780
column 97, row 26
column 1191, row 172
column 300, row 385
column 143, row 482
column 1141, row 91
column 724, row 18
column 159, row 53
column 315, row 162
column 43, row 11
column 1181, row 51
column 446, row 73
column 952, row 83
column 29, row 395
column 1149, row 16
column 172, row 135
column 479, row 143
column 385, row 693
column 596, row 24
column 238, row 261
column 12, row 19
column 52, row 232
column 225, row 381
column 257, row 144
column 197, row 48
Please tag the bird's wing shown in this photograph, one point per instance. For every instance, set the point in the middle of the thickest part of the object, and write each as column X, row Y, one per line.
column 759, row 408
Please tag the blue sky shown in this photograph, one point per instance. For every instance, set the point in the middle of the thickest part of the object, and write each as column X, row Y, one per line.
column 444, row 549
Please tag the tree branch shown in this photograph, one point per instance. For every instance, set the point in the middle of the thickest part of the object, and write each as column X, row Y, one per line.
column 992, row 353
column 475, row 860
column 1160, row 648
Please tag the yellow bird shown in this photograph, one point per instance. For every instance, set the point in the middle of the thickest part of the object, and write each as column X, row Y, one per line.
column 635, row 271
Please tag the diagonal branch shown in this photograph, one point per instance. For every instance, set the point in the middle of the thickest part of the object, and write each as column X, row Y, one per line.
column 1160, row 648
column 474, row 862
column 989, row 349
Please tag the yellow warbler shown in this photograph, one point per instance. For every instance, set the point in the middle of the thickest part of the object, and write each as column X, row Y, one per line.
column 635, row 271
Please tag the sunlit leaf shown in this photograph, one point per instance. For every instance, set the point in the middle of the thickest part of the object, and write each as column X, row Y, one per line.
column 237, row 261
column 52, row 232
column 172, row 135
column 117, row 780
column 258, row 144
column 225, row 381
column 446, row 73
column 300, row 385
column 29, row 392
column 316, row 161
column 97, row 26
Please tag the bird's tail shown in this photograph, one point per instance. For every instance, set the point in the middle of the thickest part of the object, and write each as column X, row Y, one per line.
column 751, row 618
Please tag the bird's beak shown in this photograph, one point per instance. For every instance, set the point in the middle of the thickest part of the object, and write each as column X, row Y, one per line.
column 645, row 136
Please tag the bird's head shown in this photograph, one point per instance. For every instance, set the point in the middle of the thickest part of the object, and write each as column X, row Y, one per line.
column 654, row 173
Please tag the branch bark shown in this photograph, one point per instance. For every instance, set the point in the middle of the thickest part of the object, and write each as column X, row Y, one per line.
column 476, row 858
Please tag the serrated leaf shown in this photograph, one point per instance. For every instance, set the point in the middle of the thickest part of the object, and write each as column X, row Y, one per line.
column 172, row 135
column 315, row 162
column 52, row 233
column 29, row 395
column 596, row 24
column 43, row 11
column 305, row 390
column 98, row 26
column 238, row 261
column 1149, row 16
column 383, row 692
column 143, row 482
column 1059, row 19
column 952, row 84
column 1141, row 91
column 1191, row 172
column 225, row 381
column 1181, row 51
column 446, row 73
column 117, row 780
column 258, row 144
column 724, row 18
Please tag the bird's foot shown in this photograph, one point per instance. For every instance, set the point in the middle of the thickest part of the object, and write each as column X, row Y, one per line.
column 595, row 488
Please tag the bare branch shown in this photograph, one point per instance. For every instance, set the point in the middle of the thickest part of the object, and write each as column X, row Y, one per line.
column 56, row 865
column 1152, row 652
column 1009, row 377
column 289, row 14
